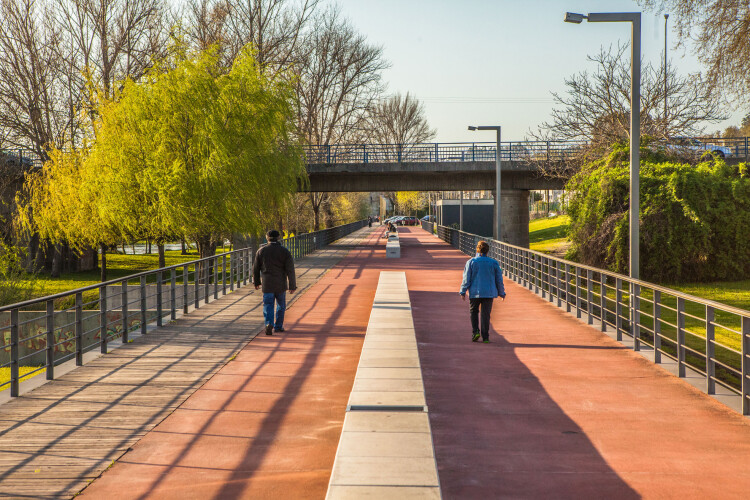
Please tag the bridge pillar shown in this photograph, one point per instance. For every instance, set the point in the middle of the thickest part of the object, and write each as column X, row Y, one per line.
column 515, row 214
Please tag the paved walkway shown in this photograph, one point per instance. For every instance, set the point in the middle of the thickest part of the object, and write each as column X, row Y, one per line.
column 551, row 408
column 57, row 438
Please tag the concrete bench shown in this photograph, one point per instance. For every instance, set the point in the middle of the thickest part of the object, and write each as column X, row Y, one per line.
column 393, row 246
column 385, row 449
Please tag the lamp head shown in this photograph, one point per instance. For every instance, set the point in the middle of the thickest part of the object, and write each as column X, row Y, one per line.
column 471, row 127
column 572, row 17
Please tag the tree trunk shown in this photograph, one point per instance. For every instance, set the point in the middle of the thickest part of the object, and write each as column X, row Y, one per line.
column 57, row 261
column 148, row 247
column 183, row 250
column 162, row 257
column 103, row 275
column 31, row 258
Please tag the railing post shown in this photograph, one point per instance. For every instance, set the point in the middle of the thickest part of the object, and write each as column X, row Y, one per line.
column 159, row 310
column 79, row 329
column 206, row 279
column 567, row 288
column 102, row 321
column 124, row 299
column 710, row 365
column 173, row 294
column 603, row 300
column 248, row 265
column 680, row 337
column 618, row 309
column 557, row 283
column 50, row 325
column 436, row 152
column 537, row 273
column 216, row 278
column 196, row 285
column 745, row 365
column 143, row 305
column 224, row 274
column 657, row 326
column 635, row 322
column 589, row 297
column 14, row 379
column 232, row 265
column 578, row 292
column 185, row 285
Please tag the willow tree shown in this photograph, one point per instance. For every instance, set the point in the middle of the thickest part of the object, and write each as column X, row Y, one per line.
column 200, row 151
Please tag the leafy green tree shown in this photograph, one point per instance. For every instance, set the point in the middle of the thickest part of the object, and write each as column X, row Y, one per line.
column 694, row 219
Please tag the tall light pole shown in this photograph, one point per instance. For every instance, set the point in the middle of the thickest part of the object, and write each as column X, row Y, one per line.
column 498, row 166
column 666, row 121
column 635, row 112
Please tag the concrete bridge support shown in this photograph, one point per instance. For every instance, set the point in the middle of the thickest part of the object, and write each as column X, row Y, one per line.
column 515, row 215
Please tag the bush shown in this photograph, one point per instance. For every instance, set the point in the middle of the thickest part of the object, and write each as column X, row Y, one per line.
column 695, row 219
column 15, row 284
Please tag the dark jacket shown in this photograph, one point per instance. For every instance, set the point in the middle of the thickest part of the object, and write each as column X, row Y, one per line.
column 275, row 264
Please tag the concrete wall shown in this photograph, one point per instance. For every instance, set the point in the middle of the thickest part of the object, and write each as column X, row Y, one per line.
column 479, row 216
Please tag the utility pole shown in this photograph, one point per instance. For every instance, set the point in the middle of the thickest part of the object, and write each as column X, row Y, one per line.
column 666, row 121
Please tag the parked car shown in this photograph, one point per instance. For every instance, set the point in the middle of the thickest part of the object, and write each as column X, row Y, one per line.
column 429, row 218
column 698, row 148
column 409, row 221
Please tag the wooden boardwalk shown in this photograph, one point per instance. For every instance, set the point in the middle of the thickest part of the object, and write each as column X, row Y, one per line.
column 59, row 437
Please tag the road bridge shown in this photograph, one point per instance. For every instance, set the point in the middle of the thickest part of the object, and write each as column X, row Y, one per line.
column 552, row 407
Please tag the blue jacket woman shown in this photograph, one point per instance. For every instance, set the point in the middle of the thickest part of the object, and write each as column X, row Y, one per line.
column 483, row 280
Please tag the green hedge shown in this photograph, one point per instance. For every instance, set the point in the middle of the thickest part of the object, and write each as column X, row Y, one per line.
column 695, row 219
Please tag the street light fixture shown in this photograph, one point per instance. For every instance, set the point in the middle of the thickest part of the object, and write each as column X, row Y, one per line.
column 635, row 112
column 498, row 165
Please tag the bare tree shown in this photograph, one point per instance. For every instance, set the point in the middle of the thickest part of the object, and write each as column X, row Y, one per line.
column 34, row 103
column 338, row 82
column 113, row 39
column 399, row 120
column 596, row 107
column 720, row 30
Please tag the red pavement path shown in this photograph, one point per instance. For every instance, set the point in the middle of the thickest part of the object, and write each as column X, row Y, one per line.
column 267, row 424
column 551, row 408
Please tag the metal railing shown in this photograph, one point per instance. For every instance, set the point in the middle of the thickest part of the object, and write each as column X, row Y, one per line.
column 738, row 147
column 440, row 152
column 711, row 338
column 734, row 147
column 45, row 332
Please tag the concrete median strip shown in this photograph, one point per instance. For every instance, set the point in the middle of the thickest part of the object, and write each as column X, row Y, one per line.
column 386, row 449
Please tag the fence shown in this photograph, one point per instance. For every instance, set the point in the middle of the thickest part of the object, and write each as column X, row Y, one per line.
column 711, row 338
column 737, row 147
column 37, row 334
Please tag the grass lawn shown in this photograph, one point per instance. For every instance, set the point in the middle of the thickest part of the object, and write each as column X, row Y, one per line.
column 118, row 266
column 548, row 235
column 5, row 374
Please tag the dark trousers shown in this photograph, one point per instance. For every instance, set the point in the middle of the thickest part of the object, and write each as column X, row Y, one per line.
column 486, row 308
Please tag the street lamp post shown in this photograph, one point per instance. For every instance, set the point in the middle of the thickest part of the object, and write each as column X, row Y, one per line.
column 666, row 122
column 635, row 112
column 498, row 166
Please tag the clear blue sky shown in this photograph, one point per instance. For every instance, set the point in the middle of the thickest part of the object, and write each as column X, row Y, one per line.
column 490, row 62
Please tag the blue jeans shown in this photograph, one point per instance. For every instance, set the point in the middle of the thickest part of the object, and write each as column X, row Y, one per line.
column 268, row 300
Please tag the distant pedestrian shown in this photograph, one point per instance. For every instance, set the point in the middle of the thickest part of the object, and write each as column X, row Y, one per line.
column 275, row 265
column 369, row 221
column 483, row 279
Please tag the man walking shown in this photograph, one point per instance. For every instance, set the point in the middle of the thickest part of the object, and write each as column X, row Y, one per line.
column 275, row 264
column 483, row 279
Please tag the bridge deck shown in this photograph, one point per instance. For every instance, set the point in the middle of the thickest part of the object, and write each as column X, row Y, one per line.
column 550, row 408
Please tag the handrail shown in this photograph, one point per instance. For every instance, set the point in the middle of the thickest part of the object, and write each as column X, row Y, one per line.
column 675, row 324
column 47, row 337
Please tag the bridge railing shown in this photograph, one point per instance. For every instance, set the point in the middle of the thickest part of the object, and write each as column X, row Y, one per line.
column 45, row 332
column 440, row 152
column 711, row 338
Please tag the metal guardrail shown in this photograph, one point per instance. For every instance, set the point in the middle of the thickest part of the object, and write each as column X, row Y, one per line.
column 737, row 147
column 709, row 337
column 20, row 157
column 34, row 333
column 485, row 151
